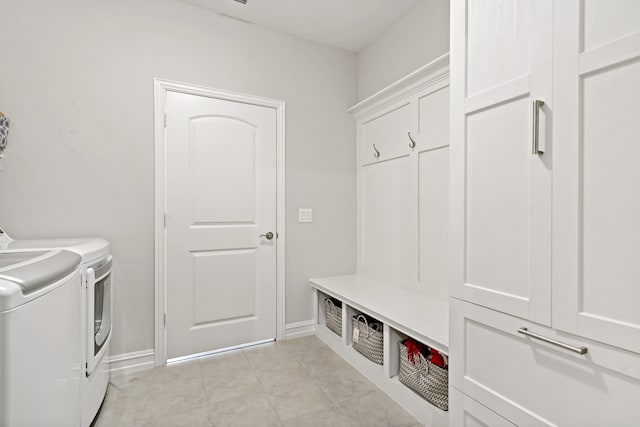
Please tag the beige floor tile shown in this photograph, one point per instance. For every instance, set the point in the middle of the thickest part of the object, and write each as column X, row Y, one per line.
column 330, row 417
column 344, row 383
column 323, row 364
column 173, row 372
column 222, row 363
column 291, row 371
column 123, row 411
column 250, row 410
column 319, row 353
column 127, row 385
column 294, row 398
column 302, row 348
column 300, row 382
column 179, row 395
column 231, row 384
column 266, row 351
column 273, row 358
column 112, row 421
column 199, row 417
column 376, row 409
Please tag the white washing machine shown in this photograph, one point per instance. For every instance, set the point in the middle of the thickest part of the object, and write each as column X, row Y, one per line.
column 40, row 365
column 96, row 311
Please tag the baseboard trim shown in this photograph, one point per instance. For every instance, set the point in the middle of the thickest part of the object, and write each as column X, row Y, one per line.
column 128, row 363
column 300, row 329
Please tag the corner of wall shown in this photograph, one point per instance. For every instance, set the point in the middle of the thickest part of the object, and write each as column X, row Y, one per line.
column 418, row 37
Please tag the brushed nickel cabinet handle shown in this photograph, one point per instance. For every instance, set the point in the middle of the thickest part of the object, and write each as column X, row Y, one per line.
column 535, row 137
column 376, row 153
column 579, row 350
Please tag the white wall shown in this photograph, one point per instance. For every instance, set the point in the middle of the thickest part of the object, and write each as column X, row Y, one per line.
column 420, row 36
column 77, row 81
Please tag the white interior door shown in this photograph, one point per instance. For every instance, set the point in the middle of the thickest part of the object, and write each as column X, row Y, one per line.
column 220, row 197
column 504, row 190
column 597, row 185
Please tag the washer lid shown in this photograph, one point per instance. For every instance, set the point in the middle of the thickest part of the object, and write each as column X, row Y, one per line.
column 40, row 272
column 90, row 249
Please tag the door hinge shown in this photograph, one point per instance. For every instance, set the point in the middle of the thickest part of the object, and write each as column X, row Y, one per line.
column 165, row 119
column 165, row 320
column 165, row 220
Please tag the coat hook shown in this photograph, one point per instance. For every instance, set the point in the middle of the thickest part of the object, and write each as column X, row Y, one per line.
column 412, row 143
column 376, row 153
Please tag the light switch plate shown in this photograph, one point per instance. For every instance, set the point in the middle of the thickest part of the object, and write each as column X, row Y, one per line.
column 305, row 215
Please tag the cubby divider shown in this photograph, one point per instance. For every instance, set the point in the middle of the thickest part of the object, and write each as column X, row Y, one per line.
column 392, row 354
column 348, row 325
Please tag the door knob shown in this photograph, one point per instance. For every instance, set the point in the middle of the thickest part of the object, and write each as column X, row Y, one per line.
column 269, row 235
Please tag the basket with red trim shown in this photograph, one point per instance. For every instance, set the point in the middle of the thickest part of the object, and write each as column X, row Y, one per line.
column 420, row 372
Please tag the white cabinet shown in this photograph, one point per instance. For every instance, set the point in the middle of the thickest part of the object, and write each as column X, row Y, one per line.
column 530, row 382
column 466, row 412
column 403, row 173
column 546, row 239
column 596, row 245
column 502, row 206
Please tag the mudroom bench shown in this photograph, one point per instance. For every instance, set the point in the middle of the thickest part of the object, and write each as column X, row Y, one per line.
column 402, row 313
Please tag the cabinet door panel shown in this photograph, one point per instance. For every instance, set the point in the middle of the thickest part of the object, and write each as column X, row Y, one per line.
column 498, row 179
column 605, row 22
column 499, row 42
column 530, row 382
column 611, row 195
column 433, row 119
column 466, row 412
column 386, row 233
column 501, row 190
column 388, row 130
column 433, row 221
column 597, row 188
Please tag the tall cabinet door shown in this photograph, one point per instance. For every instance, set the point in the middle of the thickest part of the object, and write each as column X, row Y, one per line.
column 501, row 210
column 596, row 242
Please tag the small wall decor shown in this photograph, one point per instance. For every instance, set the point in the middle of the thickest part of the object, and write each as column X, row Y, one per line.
column 4, row 132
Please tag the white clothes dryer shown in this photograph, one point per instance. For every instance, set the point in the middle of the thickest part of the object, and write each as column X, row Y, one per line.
column 96, row 311
column 40, row 366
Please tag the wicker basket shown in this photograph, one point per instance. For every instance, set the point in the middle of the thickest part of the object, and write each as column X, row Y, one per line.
column 333, row 316
column 428, row 380
column 369, row 338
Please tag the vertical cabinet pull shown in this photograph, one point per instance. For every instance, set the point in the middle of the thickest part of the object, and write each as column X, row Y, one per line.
column 376, row 153
column 412, row 143
column 535, row 137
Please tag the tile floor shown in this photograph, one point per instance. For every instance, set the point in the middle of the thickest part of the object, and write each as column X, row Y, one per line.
column 301, row 382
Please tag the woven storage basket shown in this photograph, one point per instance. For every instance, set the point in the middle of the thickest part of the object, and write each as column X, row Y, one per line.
column 334, row 316
column 370, row 338
column 428, row 380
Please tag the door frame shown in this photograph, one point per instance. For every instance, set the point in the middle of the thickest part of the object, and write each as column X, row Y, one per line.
column 161, row 87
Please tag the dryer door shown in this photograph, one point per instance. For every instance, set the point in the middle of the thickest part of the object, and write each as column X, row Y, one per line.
column 99, row 312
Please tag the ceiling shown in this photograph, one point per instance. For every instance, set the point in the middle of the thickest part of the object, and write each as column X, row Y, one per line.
column 347, row 24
